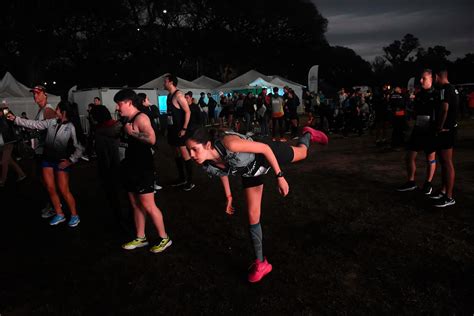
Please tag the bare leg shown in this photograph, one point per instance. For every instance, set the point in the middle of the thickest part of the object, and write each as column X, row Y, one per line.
column 447, row 171
column 430, row 166
column 410, row 161
column 63, row 184
column 138, row 214
column 147, row 202
column 50, row 183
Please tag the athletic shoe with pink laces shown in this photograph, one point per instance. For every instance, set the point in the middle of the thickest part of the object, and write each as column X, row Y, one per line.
column 258, row 270
column 316, row 136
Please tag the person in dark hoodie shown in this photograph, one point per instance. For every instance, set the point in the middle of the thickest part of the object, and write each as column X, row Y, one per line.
column 107, row 140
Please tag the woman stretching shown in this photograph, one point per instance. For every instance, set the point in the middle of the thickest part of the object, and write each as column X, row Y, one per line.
column 235, row 154
column 62, row 149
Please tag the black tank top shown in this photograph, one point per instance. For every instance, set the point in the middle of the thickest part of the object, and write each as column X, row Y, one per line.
column 176, row 116
column 138, row 155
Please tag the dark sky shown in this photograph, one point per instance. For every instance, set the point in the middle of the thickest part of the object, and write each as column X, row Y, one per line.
column 367, row 26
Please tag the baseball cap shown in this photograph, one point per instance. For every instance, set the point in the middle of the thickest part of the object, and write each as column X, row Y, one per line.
column 38, row 88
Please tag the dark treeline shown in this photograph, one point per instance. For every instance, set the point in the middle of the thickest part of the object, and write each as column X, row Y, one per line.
column 126, row 42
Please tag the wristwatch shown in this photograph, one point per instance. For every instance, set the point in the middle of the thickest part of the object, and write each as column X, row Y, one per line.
column 279, row 174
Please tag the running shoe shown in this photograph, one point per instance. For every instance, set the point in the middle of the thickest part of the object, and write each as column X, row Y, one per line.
column 258, row 270
column 178, row 183
column 437, row 195
column 165, row 243
column 47, row 211
column 136, row 243
column 19, row 179
column 316, row 136
column 188, row 186
column 408, row 186
column 427, row 188
column 445, row 201
column 74, row 221
column 57, row 219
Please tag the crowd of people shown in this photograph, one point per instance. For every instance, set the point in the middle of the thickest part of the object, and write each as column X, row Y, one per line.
column 218, row 136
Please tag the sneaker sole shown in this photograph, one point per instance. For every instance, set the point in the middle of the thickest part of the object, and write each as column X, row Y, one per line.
column 429, row 192
column 264, row 274
column 409, row 189
column 164, row 248
column 189, row 189
column 445, row 205
column 135, row 247
column 74, row 225
column 54, row 224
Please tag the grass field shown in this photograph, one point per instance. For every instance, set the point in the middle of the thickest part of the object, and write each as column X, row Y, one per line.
column 342, row 242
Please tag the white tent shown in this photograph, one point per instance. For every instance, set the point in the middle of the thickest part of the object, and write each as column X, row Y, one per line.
column 253, row 78
column 19, row 98
column 183, row 84
column 207, row 82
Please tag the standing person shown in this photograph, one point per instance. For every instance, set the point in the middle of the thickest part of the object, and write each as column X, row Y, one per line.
column 107, row 141
column 45, row 112
column 8, row 140
column 137, row 168
column 398, row 106
column 382, row 115
column 196, row 119
column 278, row 115
column 235, row 154
column 249, row 111
column 62, row 134
column 263, row 109
column 446, row 130
column 211, row 108
column 204, row 108
column 422, row 136
column 292, row 104
column 153, row 114
column 179, row 115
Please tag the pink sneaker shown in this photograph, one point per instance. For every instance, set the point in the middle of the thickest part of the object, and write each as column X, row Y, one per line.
column 258, row 270
column 316, row 136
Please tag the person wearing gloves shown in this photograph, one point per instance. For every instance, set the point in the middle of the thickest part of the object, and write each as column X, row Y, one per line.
column 63, row 148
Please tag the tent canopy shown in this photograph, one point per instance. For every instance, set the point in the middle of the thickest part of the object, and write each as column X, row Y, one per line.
column 183, row 84
column 207, row 82
column 19, row 98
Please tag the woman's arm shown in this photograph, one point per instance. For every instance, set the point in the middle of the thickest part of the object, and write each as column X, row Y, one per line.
column 237, row 144
column 225, row 183
column 33, row 124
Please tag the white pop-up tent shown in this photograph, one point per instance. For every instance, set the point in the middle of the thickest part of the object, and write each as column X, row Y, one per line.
column 18, row 97
column 207, row 82
column 253, row 78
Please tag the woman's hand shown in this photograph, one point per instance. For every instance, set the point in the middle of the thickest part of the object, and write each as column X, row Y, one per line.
column 229, row 209
column 64, row 164
column 283, row 186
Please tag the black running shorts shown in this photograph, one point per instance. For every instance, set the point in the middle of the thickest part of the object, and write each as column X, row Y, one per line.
column 419, row 141
column 284, row 155
column 139, row 181
column 446, row 140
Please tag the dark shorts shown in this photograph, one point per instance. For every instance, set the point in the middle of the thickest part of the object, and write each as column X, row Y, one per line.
column 138, row 181
column 54, row 165
column 419, row 141
column 173, row 138
column 446, row 140
column 284, row 155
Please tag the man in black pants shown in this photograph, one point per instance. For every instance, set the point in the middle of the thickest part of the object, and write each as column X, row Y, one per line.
column 446, row 130
column 422, row 136
column 179, row 115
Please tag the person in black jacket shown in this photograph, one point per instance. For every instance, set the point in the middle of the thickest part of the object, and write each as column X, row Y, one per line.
column 7, row 141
